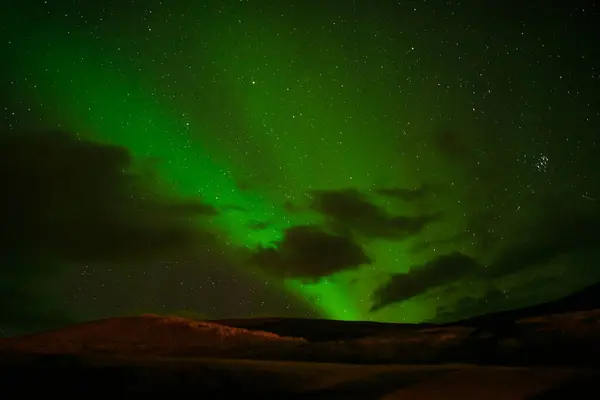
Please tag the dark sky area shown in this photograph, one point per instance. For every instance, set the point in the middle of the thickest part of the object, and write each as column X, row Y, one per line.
column 397, row 161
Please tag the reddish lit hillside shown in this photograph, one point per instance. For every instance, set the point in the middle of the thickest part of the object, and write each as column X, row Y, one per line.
column 150, row 335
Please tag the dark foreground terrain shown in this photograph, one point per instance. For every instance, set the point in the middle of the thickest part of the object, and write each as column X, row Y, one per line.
column 549, row 351
column 209, row 378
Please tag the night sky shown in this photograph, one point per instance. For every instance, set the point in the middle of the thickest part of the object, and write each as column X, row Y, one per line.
column 398, row 161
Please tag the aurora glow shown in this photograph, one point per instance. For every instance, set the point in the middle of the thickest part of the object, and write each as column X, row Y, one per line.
column 252, row 107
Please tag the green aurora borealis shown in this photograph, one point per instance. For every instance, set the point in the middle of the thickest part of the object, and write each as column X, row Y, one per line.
column 481, row 123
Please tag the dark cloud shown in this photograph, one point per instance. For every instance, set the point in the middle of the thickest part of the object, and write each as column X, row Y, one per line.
column 74, row 200
column 493, row 300
column 436, row 273
column 350, row 211
column 309, row 253
column 560, row 233
column 69, row 201
column 527, row 292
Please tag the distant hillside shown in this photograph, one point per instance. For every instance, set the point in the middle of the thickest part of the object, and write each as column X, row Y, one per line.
column 147, row 335
column 562, row 332
column 584, row 300
column 316, row 330
column 320, row 330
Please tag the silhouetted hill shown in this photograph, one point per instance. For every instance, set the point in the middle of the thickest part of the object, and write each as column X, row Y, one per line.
column 149, row 335
column 552, row 339
column 320, row 330
column 563, row 332
column 550, row 356
column 584, row 300
column 548, row 350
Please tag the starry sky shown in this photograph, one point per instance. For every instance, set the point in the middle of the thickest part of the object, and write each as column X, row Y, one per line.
column 397, row 161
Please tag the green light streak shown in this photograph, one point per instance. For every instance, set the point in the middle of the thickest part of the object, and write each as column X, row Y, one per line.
column 113, row 102
column 107, row 102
